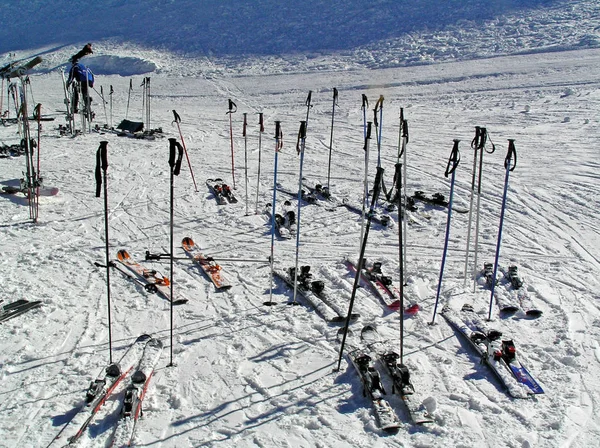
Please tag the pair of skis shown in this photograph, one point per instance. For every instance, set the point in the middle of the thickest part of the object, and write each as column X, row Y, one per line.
column 16, row 308
column 509, row 293
column 363, row 354
column 209, row 267
column 137, row 364
column 499, row 354
column 221, row 191
column 316, row 293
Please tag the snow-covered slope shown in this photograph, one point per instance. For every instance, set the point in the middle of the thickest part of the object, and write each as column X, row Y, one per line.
column 248, row 375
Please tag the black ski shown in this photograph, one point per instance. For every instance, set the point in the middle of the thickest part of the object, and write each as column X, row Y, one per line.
column 435, row 199
column 17, row 308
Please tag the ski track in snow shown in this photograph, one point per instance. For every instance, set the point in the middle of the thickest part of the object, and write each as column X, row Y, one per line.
column 248, row 375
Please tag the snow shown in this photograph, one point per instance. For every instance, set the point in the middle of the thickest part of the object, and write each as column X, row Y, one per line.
column 248, row 375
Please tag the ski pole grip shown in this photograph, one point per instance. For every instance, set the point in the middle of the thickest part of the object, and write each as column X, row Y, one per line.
column 104, row 155
column 245, row 124
column 176, row 116
column 277, row 129
column 302, row 131
column 261, row 122
column 177, row 169
column 512, row 151
column 453, row 160
column 172, row 147
column 335, row 95
column 365, row 101
column 308, row 99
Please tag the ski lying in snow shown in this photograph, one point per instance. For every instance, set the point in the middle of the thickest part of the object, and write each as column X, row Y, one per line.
column 371, row 380
column 41, row 191
column 399, row 374
column 16, row 308
column 221, row 191
column 131, row 407
column 381, row 286
column 383, row 220
column 207, row 264
column 98, row 392
column 500, row 355
column 151, row 280
column 284, row 223
column 435, row 199
column 315, row 293
column 509, row 294
column 513, row 285
column 306, row 196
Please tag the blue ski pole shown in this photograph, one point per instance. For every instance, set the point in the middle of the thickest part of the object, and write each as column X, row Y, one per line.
column 450, row 169
column 509, row 167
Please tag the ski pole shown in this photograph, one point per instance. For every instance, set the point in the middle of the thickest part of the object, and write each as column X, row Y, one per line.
column 512, row 152
column 378, row 126
column 103, row 103
column 101, row 178
column 308, row 106
column 476, row 145
column 365, row 182
column 175, row 165
column 129, row 96
column 335, row 99
column 177, row 120
column 38, row 114
column 246, row 157
column 230, row 112
column 453, row 162
column 484, row 137
column 261, row 129
column 359, row 267
column 110, row 96
column 401, row 264
column 278, row 146
column 300, row 148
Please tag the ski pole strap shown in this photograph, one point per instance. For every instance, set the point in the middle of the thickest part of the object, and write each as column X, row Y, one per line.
column 487, row 137
column 278, row 136
column 245, row 124
column 376, row 190
column 476, row 142
column 368, row 136
column 308, row 99
column 301, row 136
column 101, row 165
column 232, row 107
column 511, row 152
column 379, row 103
column 176, row 116
column 453, row 160
column 111, row 90
column 261, row 122
column 405, row 129
column 365, row 102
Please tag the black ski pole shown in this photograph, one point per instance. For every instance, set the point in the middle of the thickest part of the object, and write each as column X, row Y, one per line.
column 335, row 100
column 175, row 164
column 101, row 168
column 278, row 147
column 129, row 96
column 401, row 258
column 376, row 189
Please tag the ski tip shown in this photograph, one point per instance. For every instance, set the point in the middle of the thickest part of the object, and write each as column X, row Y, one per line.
column 123, row 255
column 413, row 309
column 187, row 242
column 143, row 337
